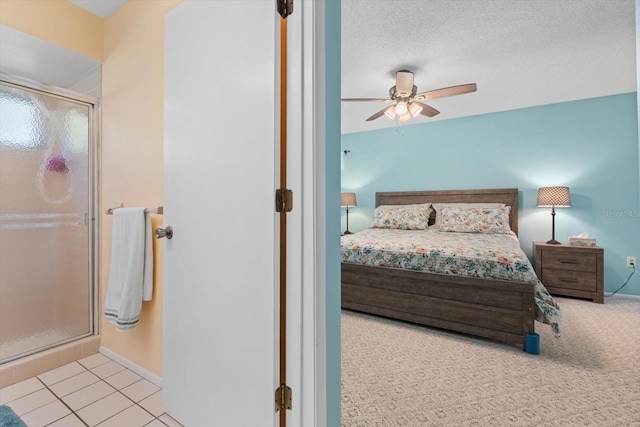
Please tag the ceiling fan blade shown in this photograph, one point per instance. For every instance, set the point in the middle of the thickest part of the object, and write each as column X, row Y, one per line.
column 379, row 113
column 427, row 110
column 404, row 83
column 366, row 99
column 446, row 91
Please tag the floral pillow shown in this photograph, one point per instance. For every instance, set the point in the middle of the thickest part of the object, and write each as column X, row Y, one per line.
column 404, row 217
column 438, row 206
column 475, row 220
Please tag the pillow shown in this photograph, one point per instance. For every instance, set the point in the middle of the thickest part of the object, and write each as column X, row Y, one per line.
column 402, row 217
column 438, row 206
column 475, row 220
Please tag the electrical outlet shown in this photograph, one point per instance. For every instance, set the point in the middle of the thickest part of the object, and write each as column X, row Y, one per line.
column 631, row 262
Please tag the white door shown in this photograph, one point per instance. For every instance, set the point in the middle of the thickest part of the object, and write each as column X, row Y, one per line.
column 219, row 338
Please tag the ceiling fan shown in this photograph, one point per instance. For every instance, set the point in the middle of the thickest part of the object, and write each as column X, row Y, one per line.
column 407, row 102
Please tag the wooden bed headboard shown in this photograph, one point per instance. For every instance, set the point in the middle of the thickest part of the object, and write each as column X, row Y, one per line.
column 508, row 196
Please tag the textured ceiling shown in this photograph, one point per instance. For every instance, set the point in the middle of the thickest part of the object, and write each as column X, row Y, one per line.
column 520, row 53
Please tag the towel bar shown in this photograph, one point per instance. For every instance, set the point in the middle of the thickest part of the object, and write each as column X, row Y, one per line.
column 159, row 210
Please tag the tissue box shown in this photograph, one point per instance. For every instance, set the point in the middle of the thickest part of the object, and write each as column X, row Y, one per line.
column 582, row 241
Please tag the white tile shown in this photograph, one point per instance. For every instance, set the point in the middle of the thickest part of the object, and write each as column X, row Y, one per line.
column 88, row 395
column 123, row 379
column 104, row 408
column 140, row 390
column 19, row 390
column 46, row 414
column 75, row 383
column 32, row 401
column 68, row 421
column 61, row 373
column 133, row 416
column 94, row 360
column 156, row 423
column 168, row 420
column 153, row 404
column 108, row 369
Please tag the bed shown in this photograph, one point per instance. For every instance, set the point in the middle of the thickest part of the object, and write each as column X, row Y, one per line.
column 472, row 302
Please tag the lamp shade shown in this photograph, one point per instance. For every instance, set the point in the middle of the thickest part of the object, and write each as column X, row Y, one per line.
column 554, row 196
column 348, row 199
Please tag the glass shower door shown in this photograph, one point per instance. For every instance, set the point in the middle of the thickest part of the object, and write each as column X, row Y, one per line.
column 46, row 226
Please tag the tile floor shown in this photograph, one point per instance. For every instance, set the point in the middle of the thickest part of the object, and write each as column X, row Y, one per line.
column 94, row 391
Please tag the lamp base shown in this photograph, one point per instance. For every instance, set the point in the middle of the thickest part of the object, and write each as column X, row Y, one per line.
column 553, row 242
column 347, row 232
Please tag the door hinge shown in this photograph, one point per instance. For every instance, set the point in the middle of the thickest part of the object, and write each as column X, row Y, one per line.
column 284, row 200
column 283, row 397
column 285, row 7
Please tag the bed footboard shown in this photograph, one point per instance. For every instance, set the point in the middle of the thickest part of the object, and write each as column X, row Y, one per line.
column 494, row 309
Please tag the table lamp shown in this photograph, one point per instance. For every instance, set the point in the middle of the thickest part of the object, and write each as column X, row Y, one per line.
column 553, row 196
column 348, row 200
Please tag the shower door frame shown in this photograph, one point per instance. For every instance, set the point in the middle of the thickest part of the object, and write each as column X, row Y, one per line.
column 93, row 220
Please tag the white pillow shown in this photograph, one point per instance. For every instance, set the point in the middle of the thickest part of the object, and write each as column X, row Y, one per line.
column 402, row 217
column 436, row 207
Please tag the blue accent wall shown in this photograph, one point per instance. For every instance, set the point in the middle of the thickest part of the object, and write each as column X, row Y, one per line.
column 332, row 182
column 638, row 66
column 590, row 145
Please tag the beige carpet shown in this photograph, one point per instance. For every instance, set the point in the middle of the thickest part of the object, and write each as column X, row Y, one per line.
column 398, row 374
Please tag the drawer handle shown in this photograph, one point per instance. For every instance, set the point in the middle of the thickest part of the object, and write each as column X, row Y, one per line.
column 568, row 280
column 568, row 261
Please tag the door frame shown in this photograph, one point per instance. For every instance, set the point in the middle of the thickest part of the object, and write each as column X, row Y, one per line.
column 314, row 120
column 306, row 303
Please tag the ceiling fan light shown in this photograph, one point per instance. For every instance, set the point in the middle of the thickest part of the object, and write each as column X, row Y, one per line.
column 414, row 109
column 405, row 117
column 391, row 113
column 401, row 108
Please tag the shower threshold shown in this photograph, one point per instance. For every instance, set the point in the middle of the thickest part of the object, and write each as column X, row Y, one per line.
column 17, row 370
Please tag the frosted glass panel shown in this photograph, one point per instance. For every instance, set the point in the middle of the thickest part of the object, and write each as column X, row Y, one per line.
column 45, row 231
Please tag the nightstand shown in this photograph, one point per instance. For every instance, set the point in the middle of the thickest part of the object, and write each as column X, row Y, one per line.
column 575, row 271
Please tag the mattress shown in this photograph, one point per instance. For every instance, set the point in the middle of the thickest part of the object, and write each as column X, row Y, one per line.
column 487, row 256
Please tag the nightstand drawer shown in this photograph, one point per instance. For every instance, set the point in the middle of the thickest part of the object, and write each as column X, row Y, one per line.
column 578, row 280
column 567, row 260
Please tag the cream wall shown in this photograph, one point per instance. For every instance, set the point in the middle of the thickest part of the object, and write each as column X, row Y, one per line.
column 132, row 152
column 58, row 22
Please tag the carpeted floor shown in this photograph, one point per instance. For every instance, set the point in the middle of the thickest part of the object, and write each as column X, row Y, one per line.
column 399, row 374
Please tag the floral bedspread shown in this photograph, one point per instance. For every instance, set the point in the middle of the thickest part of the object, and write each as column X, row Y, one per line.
column 490, row 256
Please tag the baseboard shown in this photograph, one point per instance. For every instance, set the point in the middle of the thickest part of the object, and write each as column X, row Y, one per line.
column 132, row 366
column 626, row 296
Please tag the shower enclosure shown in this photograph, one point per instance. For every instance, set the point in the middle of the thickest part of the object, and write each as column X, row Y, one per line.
column 47, row 218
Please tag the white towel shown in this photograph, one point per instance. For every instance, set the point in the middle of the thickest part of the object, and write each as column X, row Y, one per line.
column 131, row 273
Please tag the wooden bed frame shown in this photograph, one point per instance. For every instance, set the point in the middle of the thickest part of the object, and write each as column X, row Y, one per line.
column 494, row 309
